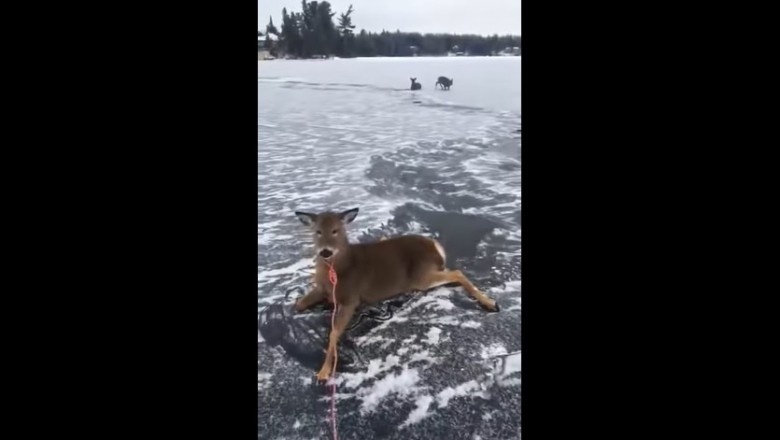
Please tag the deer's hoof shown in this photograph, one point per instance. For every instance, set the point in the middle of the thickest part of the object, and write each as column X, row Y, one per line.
column 494, row 308
column 323, row 375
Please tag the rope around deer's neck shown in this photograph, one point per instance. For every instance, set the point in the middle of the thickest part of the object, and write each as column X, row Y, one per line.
column 333, row 278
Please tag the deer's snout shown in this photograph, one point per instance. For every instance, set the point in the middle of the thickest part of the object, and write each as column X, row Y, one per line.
column 327, row 253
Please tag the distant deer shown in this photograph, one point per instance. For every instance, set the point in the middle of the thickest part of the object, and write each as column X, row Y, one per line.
column 444, row 82
column 415, row 84
column 371, row 272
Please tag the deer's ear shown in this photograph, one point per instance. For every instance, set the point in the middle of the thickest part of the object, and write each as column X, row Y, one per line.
column 348, row 216
column 306, row 218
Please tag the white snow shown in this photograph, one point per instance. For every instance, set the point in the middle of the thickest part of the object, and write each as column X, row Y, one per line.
column 420, row 412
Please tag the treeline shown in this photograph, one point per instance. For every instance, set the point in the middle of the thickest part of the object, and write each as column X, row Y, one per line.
column 404, row 44
column 312, row 32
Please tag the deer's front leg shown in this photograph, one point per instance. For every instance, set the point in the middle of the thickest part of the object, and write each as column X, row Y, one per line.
column 315, row 296
column 343, row 316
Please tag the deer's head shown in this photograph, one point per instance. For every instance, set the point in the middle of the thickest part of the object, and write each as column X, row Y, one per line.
column 329, row 231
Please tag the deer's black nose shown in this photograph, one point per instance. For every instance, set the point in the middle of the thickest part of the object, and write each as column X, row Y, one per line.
column 326, row 253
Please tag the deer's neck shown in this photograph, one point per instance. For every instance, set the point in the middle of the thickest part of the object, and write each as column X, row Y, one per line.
column 344, row 260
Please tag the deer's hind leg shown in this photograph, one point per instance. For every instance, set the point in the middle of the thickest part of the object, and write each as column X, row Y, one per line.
column 437, row 278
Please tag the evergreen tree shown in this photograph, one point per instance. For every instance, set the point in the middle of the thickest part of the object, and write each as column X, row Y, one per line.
column 270, row 28
column 290, row 39
column 346, row 36
column 306, row 27
column 325, row 34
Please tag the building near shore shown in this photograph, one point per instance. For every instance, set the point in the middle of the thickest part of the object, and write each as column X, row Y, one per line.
column 266, row 46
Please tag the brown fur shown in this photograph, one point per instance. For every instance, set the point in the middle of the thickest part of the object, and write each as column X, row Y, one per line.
column 371, row 272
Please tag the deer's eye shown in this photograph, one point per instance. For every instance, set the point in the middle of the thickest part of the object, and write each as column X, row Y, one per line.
column 319, row 232
column 334, row 231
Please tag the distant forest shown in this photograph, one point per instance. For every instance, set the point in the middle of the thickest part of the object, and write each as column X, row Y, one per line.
column 313, row 33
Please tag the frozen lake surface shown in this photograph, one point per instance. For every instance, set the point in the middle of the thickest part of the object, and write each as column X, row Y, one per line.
column 338, row 134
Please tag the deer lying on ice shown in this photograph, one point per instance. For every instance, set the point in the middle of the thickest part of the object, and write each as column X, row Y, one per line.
column 371, row 272
column 415, row 84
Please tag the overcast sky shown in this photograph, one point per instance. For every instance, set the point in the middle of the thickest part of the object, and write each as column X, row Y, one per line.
column 484, row 17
